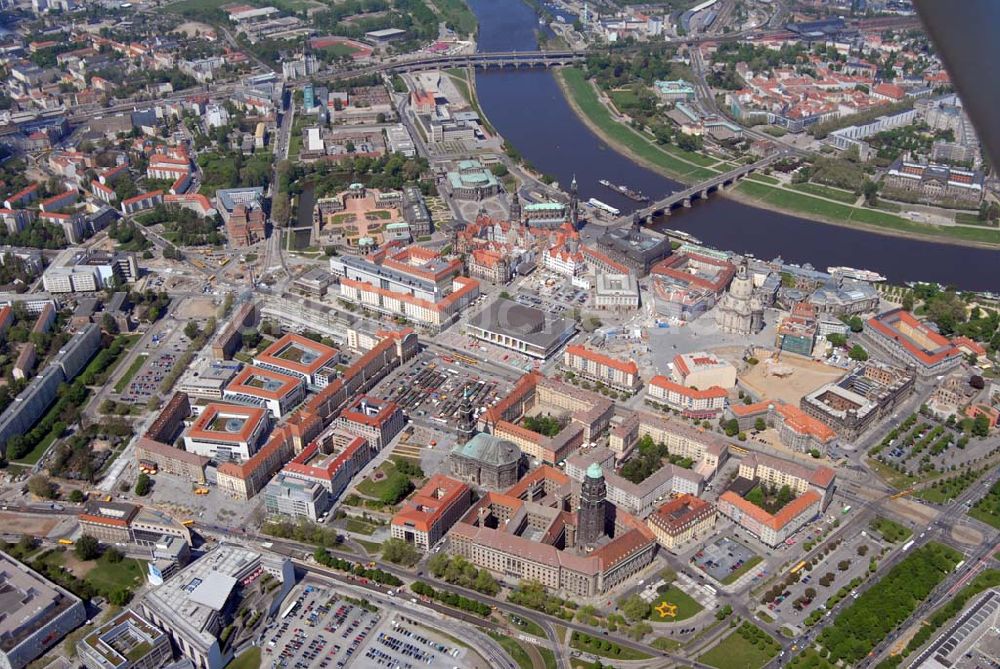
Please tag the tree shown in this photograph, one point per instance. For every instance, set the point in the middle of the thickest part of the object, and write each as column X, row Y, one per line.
column 837, row 339
column 109, row 324
column 634, row 608
column 732, row 427
column 977, row 382
column 858, row 353
column 143, row 485
column 39, row 485
column 113, row 555
column 843, row 565
column 760, row 425
column 908, row 301
column 856, row 324
column 870, row 190
column 981, row 426
column 87, row 548
column 191, row 330
column 485, row 583
column 398, row 551
column 120, row 597
column 76, row 496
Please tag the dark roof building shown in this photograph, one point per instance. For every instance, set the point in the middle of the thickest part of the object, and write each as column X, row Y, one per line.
column 533, row 332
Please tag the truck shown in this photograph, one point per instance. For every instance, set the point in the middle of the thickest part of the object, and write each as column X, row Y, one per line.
column 907, row 545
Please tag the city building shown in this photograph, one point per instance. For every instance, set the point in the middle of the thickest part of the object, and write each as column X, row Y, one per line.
column 687, row 284
column 840, row 296
column 771, row 529
column 703, row 370
column 531, row 532
column 705, row 449
column 431, row 511
column 937, row 184
column 797, row 429
column 487, row 462
column 125, row 523
column 298, row 357
column 315, row 478
column 532, row 332
column 691, row 402
column 199, row 602
column 616, row 292
column 599, row 368
column 378, row 421
column 32, row 402
column 674, row 91
column 796, row 332
column 635, row 248
column 261, row 387
column 637, row 499
column 246, row 225
column 909, row 341
column 413, row 283
column 970, row 641
column 227, row 432
column 35, row 614
column 861, row 399
column 230, row 337
column 470, row 180
column 142, row 202
column 682, row 519
column 582, row 414
column 208, row 378
column 227, row 199
column 490, row 266
column 168, row 459
column 127, row 641
column 81, row 270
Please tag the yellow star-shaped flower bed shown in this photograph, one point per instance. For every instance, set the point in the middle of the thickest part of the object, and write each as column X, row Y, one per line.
column 667, row 610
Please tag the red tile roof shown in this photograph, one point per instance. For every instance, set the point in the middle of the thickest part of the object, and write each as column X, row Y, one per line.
column 428, row 505
column 694, row 393
column 629, row 367
column 777, row 521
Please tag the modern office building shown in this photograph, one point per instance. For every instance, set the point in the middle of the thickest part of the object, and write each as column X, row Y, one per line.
column 227, row 432
column 313, row 480
column 533, row 332
column 80, row 270
column 297, row 356
column 35, row 614
column 431, row 511
column 127, row 641
column 595, row 366
column 261, row 387
column 692, row 402
column 199, row 602
column 703, row 370
column 377, row 421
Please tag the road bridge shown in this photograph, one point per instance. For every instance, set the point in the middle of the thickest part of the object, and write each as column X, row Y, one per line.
column 698, row 191
column 494, row 59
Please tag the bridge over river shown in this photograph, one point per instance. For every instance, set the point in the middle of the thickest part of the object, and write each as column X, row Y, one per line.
column 700, row 190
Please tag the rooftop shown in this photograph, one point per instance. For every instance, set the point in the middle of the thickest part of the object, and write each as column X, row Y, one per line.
column 298, row 354
column 227, row 423
column 429, row 504
column 531, row 325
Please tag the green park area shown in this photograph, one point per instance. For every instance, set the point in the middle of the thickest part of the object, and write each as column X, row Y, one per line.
column 604, row 647
column 248, row 659
column 890, row 530
column 838, row 212
column 673, row 161
column 673, row 605
column 828, row 192
column 749, row 647
column 988, row 508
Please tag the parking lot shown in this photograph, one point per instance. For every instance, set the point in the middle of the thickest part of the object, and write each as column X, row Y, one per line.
column 320, row 629
column 795, row 603
column 430, row 391
column 721, row 558
column 160, row 354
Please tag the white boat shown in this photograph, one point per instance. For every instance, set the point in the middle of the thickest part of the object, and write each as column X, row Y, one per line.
column 603, row 206
column 859, row 274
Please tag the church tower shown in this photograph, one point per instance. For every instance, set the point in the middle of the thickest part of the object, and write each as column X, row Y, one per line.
column 591, row 514
column 515, row 209
column 466, row 419
column 574, row 204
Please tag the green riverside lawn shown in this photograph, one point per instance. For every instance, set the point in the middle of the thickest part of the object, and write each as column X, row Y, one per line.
column 692, row 167
column 670, row 159
column 837, row 212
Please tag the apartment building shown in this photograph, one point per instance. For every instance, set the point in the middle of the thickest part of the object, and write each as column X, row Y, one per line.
column 691, row 402
column 377, row 421
column 431, row 511
column 681, row 520
column 594, row 366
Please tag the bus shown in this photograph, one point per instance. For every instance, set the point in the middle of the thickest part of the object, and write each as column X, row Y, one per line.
column 797, row 568
column 66, row 542
column 187, row 523
column 907, row 545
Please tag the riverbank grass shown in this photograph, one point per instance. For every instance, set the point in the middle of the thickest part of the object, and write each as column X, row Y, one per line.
column 672, row 160
column 801, row 203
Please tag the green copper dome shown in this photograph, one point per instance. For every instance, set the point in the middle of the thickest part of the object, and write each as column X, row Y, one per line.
column 594, row 471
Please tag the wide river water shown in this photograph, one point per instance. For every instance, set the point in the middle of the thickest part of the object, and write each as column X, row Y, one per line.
column 529, row 110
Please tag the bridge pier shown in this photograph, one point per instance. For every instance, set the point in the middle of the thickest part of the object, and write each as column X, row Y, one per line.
column 687, row 203
column 704, row 194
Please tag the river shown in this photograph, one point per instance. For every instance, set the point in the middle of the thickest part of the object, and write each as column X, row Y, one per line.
column 528, row 109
